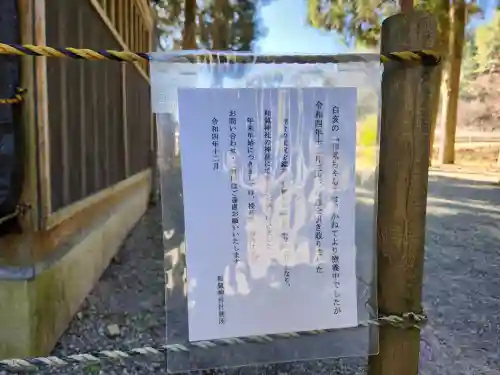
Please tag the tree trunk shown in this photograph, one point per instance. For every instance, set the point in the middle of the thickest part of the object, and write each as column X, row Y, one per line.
column 220, row 25
column 451, row 83
column 443, row 18
column 189, row 29
column 436, row 93
column 157, row 30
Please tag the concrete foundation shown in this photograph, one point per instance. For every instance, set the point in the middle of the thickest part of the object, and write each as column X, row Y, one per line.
column 34, row 313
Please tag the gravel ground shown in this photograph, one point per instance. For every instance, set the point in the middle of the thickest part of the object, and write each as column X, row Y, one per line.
column 461, row 294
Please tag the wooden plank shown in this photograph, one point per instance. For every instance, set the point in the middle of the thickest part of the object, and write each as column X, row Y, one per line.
column 43, row 244
column 30, row 190
column 83, row 117
column 125, row 119
column 106, row 124
column 49, row 217
column 95, row 199
column 63, row 104
column 140, row 35
column 119, row 14
column 42, row 116
column 402, row 188
column 126, row 16
column 145, row 12
column 116, row 35
column 112, row 14
column 96, row 125
column 133, row 24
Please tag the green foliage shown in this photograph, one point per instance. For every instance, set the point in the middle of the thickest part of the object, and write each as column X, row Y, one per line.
column 366, row 153
column 469, row 64
column 487, row 43
column 220, row 24
column 368, row 103
column 355, row 20
column 170, row 18
column 368, row 131
column 481, row 55
column 229, row 25
column 360, row 20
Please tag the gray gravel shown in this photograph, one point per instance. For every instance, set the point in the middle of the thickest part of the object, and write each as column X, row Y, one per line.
column 461, row 293
column 462, row 284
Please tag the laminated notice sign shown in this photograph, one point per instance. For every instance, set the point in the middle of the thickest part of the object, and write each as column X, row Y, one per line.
column 269, row 203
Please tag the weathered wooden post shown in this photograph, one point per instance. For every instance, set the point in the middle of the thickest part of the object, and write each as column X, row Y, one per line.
column 402, row 189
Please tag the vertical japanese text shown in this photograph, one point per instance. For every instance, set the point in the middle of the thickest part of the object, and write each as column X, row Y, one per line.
column 335, row 218
column 285, row 201
column 220, row 298
column 235, row 215
column 251, row 182
column 267, row 172
column 215, row 145
column 318, row 176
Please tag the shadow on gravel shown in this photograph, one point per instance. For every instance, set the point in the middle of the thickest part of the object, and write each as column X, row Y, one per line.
column 461, row 289
column 461, row 284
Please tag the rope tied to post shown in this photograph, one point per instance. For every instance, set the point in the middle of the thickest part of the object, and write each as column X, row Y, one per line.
column 423, row 57
column 17, row 98
column 20, row 210
column 407, row 320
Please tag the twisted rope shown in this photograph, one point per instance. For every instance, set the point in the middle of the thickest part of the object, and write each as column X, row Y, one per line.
column 424, row 57
column 20, row 210
column 17, row 98
column 405, row 321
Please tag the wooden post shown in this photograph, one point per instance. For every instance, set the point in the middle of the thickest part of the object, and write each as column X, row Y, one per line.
column 42, row 116
column 28, row 77
column 402, row 188
column 451, row 82
column 125, row 120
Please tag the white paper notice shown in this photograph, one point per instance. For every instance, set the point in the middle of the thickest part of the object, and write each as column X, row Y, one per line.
column 269, row 199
